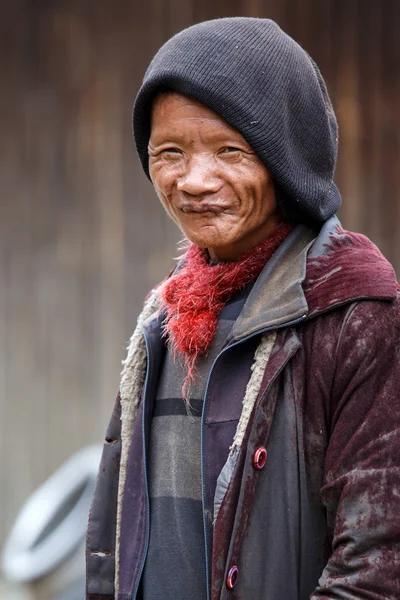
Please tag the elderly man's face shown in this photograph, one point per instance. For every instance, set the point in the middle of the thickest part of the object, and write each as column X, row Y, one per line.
column 208, row 178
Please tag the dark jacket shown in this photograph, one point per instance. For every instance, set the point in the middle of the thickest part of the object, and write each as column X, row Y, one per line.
column 322, row 518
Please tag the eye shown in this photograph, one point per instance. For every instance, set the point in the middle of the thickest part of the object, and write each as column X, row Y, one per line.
column 230, row 150
column 171, row 150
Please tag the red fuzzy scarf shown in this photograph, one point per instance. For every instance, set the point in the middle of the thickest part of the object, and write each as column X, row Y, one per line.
column 195, row 295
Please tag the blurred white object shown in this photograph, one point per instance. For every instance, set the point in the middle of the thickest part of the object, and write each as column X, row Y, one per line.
column 51, row 525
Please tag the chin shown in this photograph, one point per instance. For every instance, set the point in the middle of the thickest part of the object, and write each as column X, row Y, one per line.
column 211, row 236
column 203, row 242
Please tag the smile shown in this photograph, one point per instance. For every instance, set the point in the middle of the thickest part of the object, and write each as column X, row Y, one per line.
column 203, row 208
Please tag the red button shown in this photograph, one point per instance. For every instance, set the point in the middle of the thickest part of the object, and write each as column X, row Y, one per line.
column 260, row 458
column 232, row 578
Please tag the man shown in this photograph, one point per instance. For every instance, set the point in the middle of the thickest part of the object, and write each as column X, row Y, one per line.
column 253, row 451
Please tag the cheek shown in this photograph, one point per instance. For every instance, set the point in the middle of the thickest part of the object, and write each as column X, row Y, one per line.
column 164, row 175
column 163, row 181
column 257, row 196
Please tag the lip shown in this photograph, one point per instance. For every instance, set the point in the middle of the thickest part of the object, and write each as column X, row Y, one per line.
column 203, row 207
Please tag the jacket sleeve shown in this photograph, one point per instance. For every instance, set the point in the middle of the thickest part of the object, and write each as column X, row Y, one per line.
column 101, row 531
column 361, row 491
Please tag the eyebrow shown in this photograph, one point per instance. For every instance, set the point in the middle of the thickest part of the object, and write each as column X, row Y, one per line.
column 182, row 137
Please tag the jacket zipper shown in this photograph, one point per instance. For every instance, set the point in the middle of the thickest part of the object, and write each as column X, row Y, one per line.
column 203, row 487
column 147, row 534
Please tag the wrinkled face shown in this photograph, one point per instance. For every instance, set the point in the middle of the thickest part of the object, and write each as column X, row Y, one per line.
column 208, row 178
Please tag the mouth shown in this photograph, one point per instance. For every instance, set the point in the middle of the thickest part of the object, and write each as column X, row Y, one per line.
column 202, row 208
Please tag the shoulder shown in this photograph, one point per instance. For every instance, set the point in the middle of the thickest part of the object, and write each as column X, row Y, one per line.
column 355, row 333
column 342, row 267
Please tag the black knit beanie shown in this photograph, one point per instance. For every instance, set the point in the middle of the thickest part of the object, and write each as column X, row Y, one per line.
column 261, row 82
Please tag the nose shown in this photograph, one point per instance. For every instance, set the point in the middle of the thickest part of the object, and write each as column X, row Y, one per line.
column 199, row 177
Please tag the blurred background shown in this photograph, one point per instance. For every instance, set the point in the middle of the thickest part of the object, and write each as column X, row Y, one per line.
column 82, row 235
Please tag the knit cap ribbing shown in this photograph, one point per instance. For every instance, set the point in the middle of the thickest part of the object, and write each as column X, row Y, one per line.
column 262, row 83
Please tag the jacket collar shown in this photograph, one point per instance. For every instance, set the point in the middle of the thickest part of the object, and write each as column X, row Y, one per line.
column 312, row 272
column 277, row 296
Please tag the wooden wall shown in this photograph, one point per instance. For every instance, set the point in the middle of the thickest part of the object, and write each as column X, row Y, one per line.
column 82, row 236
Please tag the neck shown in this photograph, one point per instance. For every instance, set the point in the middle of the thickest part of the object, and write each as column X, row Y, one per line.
column 235, row 250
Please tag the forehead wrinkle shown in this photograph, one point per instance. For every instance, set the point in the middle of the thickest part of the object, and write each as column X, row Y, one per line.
column 195, row 129
column 191, row 112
